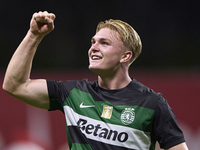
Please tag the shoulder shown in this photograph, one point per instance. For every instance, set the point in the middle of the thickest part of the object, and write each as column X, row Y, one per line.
column 142, row 90
column 138, row 94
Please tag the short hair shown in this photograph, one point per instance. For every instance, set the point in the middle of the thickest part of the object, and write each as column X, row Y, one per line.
column 127, row 34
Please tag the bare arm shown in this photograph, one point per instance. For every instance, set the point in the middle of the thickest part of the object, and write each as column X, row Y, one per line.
column 181, row 146
column 17, row 78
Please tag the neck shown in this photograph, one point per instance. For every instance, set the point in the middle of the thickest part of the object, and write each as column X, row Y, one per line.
column 116, row 81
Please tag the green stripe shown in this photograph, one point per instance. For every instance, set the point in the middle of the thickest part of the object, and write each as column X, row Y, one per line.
column 77, row 146
column 143, row 116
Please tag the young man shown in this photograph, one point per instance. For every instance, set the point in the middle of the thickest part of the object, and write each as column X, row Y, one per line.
column 115, row 112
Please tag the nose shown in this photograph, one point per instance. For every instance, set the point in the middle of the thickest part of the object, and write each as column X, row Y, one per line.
column 94, row 48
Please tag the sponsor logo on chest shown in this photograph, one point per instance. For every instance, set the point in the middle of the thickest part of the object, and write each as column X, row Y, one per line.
column 101, row 130
column 97, row 130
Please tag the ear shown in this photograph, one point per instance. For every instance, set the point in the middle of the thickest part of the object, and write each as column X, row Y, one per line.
column 126, row 56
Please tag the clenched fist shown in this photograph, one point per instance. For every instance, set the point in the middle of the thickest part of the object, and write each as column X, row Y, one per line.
column 42, row 23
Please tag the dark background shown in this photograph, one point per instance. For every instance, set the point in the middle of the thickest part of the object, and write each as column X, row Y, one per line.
column 169, row 31
column 169, row 62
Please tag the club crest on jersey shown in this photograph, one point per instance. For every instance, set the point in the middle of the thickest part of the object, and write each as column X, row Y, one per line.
column 127, row 116
column 107, row 112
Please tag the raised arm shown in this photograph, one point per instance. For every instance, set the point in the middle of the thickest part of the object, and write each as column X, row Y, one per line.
column 17, row 80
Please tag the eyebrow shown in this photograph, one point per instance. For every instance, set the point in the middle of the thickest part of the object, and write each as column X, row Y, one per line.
column 101, row 39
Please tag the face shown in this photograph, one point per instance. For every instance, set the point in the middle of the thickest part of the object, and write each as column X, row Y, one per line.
column 106, row 51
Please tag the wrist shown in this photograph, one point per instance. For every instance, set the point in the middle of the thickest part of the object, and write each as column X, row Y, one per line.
column 35, row 37
column 32, row 40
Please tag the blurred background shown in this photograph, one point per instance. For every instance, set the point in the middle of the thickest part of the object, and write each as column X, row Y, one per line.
column 169, row 62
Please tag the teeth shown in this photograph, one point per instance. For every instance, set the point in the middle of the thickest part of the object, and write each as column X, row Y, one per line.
column 95, row 57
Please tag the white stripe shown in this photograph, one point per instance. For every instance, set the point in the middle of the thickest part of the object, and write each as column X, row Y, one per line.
column 137, row 139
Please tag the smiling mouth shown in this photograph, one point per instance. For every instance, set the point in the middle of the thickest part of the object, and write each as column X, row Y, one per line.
column 96, row 57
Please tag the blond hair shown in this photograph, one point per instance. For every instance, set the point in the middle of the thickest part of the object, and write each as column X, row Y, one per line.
column 127, row 34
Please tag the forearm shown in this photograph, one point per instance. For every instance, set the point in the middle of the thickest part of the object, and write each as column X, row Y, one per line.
column 20, row 65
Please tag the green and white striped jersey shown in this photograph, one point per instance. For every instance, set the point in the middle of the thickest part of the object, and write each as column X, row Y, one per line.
column 131, row 118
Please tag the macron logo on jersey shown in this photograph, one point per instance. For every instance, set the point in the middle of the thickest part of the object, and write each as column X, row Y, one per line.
column 86, row 106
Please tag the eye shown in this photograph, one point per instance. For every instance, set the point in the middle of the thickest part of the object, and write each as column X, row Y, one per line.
column 92, row 41
column 105, row 43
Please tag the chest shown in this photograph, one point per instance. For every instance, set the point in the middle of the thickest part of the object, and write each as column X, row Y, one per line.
column 101, row 108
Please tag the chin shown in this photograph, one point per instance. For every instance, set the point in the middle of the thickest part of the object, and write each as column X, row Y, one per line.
column 92, row 66
column 94, row 69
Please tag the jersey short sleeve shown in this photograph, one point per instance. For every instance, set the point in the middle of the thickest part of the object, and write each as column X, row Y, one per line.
column 55, row 99
column 59, row 90
column 165, row 126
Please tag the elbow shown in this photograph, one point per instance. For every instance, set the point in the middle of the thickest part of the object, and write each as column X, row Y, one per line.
column 4, row 86
column 7, row 87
